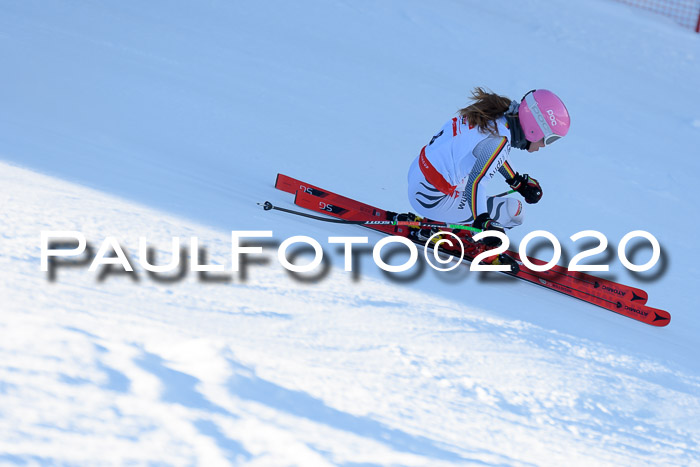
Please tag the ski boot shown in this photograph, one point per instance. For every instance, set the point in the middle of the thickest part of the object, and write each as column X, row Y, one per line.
column 505, row 260
column 421, row 235
column 425, row 235
column 474, row 248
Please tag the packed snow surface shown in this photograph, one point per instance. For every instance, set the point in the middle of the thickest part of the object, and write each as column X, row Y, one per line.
column 171, row 119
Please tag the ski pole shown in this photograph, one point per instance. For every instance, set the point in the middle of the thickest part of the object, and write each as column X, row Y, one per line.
column 268, row 206
column 504, row 193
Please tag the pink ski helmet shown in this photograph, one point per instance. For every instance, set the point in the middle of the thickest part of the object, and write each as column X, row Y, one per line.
column 543, row 115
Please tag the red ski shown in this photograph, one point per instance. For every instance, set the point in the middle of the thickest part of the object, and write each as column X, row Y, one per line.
column 622, row 299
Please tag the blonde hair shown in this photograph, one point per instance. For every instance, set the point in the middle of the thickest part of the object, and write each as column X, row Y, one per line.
column 485, row 109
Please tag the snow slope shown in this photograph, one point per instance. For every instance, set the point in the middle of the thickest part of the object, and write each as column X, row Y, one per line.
column 172, row 119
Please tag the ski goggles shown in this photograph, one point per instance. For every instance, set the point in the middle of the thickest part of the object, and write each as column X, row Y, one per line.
column 549, row 135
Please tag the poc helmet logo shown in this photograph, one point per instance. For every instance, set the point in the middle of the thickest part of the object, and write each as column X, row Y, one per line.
column 552, row 118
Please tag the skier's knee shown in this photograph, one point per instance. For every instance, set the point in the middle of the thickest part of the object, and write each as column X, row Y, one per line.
column 515, row 211
column 509, row 213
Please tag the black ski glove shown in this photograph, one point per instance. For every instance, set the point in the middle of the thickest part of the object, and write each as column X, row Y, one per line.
column 526, row 186
column 484, row 222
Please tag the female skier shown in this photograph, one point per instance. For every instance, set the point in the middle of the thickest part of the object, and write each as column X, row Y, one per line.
column 447, row 181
